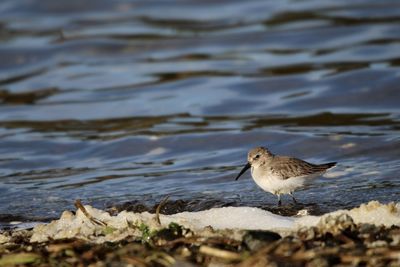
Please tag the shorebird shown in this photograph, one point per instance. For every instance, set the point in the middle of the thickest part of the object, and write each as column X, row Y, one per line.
column 280, row 174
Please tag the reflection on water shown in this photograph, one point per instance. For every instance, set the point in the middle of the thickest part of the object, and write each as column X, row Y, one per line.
column 121, row 103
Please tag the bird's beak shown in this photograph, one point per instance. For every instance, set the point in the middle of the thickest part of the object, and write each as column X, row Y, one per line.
column 245, row 168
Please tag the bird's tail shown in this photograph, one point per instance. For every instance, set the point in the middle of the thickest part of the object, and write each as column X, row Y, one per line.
column 327, row 165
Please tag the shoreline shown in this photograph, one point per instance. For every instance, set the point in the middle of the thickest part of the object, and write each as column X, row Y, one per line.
column 92, row 236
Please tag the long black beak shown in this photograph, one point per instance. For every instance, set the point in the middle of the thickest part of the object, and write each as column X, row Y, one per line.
column 245, row 168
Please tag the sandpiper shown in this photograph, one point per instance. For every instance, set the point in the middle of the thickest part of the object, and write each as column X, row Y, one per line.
column 280, row 174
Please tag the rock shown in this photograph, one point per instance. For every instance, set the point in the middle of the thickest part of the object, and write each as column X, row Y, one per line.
column 254, row 240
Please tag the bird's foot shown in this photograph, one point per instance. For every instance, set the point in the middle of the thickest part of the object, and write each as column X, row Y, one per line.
column 279, row 200
column 294, row 199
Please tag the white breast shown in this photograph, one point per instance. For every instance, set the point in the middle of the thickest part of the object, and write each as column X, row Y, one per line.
column 276, row 185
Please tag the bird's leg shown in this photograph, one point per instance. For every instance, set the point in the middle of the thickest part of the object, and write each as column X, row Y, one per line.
column 294, row 200
column 279, row 200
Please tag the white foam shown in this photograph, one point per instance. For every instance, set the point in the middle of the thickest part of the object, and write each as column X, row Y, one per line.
column 372, row 213
column 70, row 225
column 234, row 218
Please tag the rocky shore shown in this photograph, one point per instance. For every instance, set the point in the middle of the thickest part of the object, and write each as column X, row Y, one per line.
column 92, row 237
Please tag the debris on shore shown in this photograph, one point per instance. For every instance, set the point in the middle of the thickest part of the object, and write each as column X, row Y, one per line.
column 368, row 235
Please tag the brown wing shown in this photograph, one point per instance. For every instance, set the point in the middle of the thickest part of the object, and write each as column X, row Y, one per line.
column 287, row 167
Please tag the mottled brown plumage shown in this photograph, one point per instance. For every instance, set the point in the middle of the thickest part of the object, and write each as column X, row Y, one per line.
column 287, row 167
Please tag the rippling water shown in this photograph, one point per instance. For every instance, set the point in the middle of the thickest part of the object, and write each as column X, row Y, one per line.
column 131, row 101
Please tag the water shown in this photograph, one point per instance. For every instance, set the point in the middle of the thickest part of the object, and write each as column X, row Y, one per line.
column 119, row 102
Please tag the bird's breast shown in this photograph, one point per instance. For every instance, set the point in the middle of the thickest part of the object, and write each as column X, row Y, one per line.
column 271, row 182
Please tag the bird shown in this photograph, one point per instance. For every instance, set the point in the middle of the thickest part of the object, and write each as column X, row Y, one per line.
column 281, row 174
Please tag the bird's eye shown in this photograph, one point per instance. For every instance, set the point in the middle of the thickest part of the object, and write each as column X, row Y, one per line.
column 257, row 157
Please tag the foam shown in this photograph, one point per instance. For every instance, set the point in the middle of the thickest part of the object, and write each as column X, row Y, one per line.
column 231, row 218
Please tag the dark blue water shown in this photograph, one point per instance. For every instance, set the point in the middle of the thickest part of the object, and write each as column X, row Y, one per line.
column 131, row 101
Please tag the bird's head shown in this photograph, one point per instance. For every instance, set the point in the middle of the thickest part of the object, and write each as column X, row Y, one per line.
column 256, row 157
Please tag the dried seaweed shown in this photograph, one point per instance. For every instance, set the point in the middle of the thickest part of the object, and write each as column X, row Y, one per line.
column 336, row 241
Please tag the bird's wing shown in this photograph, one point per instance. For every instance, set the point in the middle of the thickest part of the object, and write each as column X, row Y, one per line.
column 287, row 167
